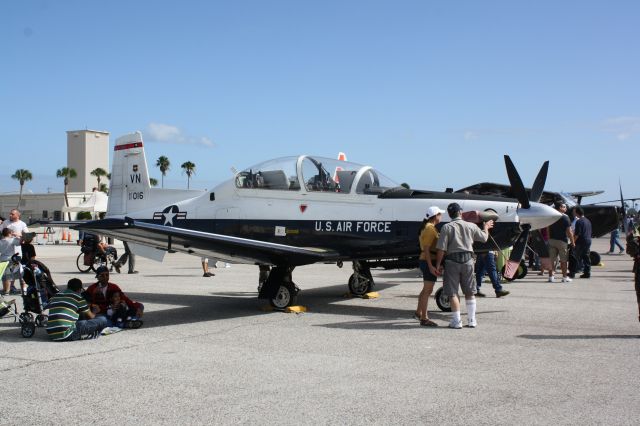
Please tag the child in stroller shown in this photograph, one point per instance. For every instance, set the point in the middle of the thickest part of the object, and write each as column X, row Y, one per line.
column 39, row 290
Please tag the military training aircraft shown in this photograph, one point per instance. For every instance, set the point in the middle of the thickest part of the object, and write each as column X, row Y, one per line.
column 295, row 211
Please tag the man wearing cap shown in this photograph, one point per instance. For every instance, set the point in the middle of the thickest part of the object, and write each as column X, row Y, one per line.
column 99, row 295
column 65, row 310
column 455, row 247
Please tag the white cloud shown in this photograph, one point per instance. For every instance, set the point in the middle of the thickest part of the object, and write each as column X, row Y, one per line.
column 624, row 127
column 469, row 135
column 160, row 132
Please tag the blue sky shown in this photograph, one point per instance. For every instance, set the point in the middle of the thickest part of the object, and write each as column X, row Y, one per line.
column 432, row 93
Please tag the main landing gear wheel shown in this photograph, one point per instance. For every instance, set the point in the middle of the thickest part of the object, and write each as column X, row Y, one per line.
column 361, row 281
column 285, row 297
column 278, row 287
column 360, row 284
column 442, row 300
column 80, row 264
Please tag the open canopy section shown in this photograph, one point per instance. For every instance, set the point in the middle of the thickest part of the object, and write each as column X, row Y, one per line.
column 314, row 174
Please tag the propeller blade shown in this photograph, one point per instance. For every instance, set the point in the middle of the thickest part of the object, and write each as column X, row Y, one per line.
column 517, row 187
column 538, row 184
column 624, row 211
column 517, row 253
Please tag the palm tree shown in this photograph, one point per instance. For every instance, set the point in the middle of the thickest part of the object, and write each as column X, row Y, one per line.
column 104, row 188
column 98, row 173
column 163, row 163
column 153, row 181
column 190, row 169
column 66, row 173
column 21, row 175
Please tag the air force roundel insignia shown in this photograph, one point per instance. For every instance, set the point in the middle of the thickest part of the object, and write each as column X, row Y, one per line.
column 169, row 214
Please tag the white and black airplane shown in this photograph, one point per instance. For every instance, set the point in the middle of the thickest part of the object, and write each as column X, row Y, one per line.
column 295, row 211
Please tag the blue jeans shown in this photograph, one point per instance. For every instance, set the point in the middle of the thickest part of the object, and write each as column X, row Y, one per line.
column 487, row 263
column 582, row 255
column 615, row 241
column 84, row 327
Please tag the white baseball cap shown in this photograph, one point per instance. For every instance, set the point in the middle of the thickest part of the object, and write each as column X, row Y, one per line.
column 433, row 210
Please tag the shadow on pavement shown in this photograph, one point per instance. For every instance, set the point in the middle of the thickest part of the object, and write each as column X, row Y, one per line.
column 577, row 336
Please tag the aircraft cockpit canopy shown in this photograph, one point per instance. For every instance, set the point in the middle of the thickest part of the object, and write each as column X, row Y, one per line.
column 317, row 174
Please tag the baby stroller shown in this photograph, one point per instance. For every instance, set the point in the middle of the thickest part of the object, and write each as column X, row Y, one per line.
column 8, row 308
column 91, row 258
column 40, row 289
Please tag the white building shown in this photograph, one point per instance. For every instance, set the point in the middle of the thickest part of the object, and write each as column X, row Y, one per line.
column 86, row 151
column 41, row 206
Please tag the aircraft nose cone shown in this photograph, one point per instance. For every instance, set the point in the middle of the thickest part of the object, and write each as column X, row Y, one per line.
column 538, row 215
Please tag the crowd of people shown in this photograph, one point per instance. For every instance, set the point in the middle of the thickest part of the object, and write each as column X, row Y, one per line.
column 78, row 314
column 75, row 313
column 448, row 254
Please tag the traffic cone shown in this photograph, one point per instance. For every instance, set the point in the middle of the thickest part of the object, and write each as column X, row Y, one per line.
column 44, row 235
column 64, row 235
column 69, row 236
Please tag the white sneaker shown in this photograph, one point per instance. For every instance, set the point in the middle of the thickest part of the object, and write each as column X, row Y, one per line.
column 473, row 324
column 454, row 324
column 566, row 280
column 552, row 279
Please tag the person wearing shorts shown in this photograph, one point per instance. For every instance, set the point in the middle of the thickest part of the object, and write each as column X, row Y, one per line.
column 560, row 236
column 428, row 239
column 456, row 242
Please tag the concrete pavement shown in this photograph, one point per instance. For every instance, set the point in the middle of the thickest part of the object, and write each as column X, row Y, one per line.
column 207, row 354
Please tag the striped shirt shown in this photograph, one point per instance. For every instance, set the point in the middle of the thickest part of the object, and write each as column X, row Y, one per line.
column 64, row 310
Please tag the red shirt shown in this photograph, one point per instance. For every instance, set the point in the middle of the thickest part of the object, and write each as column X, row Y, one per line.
column 95, row 296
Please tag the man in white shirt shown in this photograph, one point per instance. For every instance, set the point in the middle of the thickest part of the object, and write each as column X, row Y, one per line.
column 14, row 223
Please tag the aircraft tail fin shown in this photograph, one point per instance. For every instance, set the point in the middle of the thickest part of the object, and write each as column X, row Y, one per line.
column 130, row 187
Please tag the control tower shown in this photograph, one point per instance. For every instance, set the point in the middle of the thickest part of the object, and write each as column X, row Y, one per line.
column 86, row 151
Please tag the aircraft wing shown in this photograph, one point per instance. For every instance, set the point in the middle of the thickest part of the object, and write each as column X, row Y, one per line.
column 218, row 246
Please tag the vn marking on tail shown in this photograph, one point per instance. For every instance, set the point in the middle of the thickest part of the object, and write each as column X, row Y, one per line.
column 170, row 213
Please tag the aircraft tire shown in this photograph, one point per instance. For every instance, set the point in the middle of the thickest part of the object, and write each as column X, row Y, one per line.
column 360, row 284
column 594, row 257
column 442, row 300
column 285, row 297
column 80, row 264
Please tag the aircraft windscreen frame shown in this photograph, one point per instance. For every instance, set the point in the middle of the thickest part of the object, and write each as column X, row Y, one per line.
column 319, row 174
column 568, row 199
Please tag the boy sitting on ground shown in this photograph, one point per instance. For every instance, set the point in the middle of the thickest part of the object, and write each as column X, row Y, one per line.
column 121, row 315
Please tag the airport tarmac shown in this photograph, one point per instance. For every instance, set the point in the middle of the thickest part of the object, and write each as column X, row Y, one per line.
column 549, row 353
